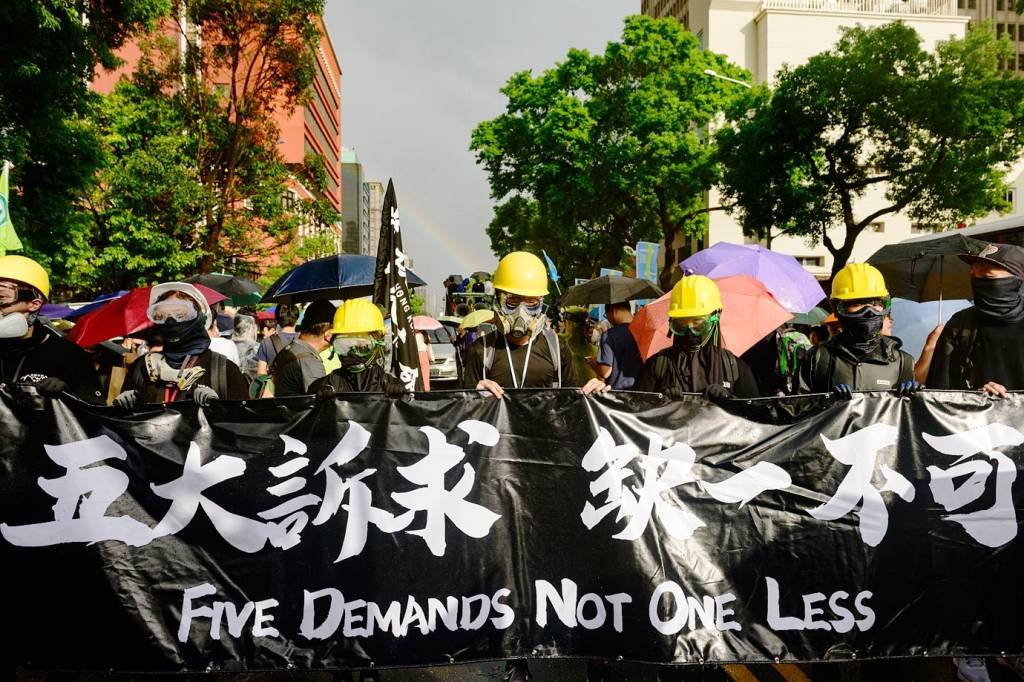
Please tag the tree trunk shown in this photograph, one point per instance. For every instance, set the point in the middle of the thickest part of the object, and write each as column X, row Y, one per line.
column 670, row 230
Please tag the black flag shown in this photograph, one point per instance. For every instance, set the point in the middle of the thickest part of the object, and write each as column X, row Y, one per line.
column 391, row 292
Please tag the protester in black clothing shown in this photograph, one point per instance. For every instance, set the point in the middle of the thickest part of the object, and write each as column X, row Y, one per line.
column 696, row 362
column 982, row 347
column 358, row 341
column 299, row 364
column 30, row 352
column 524, row 352
column 185, row 368
column 860, row 357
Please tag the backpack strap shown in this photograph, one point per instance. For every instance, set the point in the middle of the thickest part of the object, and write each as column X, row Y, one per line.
column 488, row 357
column 277, row 343
column 556, row 355
column 732, row 370
column 219, row 374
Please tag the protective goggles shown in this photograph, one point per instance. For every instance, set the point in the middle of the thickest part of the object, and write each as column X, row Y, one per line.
column 534, row 305
column 173, row 309
column 862, row 306
column 356, row 346
column 14, row 292
column 692, row 326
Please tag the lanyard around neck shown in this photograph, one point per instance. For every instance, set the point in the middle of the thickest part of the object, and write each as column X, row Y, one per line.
column 526, row 363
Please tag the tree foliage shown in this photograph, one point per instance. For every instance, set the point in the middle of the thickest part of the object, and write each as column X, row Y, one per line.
column 603, row 150
column 935, row 131
column 50, row 50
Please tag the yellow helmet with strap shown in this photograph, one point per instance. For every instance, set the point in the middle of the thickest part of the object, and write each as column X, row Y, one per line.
column 858, row 281
column 521, row 273
column 26, row 271
column 357, row 316
column 694, row 296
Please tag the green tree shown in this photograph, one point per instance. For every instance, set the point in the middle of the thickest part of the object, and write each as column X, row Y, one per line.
column 936, row 131
column 604, row 150
column 50, row 51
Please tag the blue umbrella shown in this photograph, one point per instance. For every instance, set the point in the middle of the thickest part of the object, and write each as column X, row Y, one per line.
column 342, row 276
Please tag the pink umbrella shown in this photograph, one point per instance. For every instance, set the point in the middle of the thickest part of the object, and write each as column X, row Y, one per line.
column 749, row 313
column 123, row 316
column 425, row 323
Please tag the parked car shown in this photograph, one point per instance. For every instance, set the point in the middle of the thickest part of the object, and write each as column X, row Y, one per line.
column 446, row 367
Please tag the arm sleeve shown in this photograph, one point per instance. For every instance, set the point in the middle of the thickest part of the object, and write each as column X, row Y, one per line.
column 473, row 371
column 746, row 385
column 133, row 378
column 605, row 352
column 939, row 369
column 84, row 380
column 907, row 370
column 238, row 387
column 569, row 378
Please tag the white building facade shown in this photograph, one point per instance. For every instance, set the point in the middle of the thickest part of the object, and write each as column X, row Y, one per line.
column 762, row 36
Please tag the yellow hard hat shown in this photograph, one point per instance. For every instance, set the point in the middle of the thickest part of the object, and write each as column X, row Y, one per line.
column 857, row 281
column 694, row 296
column 521, row 273
column 357, row 316
column 26, row 271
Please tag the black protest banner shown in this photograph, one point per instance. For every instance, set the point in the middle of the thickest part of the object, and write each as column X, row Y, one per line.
column 391, row 292
column 299, row 534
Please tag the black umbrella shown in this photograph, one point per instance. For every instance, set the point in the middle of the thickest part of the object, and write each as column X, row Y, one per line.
column 927, row 270
column 342, row 276
column 610, row 289
column 241, row 291
column 481, row 276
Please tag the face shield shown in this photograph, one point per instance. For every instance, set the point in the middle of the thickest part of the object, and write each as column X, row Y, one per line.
column 520, row 315
column 357, row 352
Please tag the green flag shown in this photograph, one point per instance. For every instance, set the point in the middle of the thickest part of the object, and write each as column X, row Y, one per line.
column 8, row 237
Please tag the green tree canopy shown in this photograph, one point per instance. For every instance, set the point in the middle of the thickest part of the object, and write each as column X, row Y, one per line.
column 604, row 150
column 936, row 130
column 50, row 51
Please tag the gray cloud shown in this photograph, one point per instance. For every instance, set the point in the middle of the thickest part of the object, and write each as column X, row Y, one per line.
column 418, row 75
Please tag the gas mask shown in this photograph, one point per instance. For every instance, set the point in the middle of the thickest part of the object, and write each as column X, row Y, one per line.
column 358, row 353
column 520, row 316
column 14, row 325
column 693, row 333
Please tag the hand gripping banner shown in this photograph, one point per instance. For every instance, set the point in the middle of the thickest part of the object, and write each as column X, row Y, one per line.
column 297, row 534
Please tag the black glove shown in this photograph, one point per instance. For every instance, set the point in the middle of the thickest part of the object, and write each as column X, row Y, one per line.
column 673, row 393
column 717, row 393
column 908, row 388
column 395, row 390
column 51, row 387
column 326, row 392
column 843, row 391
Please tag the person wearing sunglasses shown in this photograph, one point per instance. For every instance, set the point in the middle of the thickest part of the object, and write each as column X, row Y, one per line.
column 30, row 351
column 696, row 362
column 185, row 368
column 860, row 357
column 358, row 341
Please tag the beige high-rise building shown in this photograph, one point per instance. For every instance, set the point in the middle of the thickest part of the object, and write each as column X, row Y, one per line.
column 375, row 202
column 763, row 35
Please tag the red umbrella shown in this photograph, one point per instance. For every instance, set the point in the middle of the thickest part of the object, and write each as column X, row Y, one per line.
column 123, row 316
column 749, row 313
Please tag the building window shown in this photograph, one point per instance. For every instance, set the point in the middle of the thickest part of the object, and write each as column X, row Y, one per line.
column 1020, row 62
column 877, row 226
column 1011, row 31
column 1000, row 30
column 960, row 4
column 1011, row 197
column 811, row 261
column 289, row 199
column 1000, row 5
column 972, row 4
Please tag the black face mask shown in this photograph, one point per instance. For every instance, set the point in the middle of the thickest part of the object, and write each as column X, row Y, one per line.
column 863, row 330
column 999, row 298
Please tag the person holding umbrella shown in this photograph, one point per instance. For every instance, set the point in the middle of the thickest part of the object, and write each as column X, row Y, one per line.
column 31, row 352
column 859, row 357
column 185, row 367
column 696, row 361
column 357, row 335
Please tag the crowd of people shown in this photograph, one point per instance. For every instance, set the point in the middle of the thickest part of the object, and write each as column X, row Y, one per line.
column 326, row 349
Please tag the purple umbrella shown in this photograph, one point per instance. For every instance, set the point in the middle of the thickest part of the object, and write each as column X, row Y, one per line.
column 792, row 286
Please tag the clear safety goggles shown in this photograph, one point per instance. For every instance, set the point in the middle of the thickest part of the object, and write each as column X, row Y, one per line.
column 692, row 326
column 356, row 346
column 173, row 309
column 864, row 306
column 534, row 305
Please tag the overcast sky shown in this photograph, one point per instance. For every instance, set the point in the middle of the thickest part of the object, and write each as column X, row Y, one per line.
column 418, row 75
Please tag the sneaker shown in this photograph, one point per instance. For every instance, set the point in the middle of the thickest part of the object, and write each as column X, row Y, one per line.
column 971, row 669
